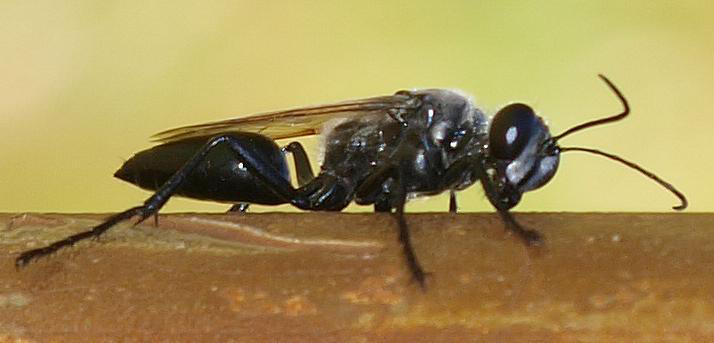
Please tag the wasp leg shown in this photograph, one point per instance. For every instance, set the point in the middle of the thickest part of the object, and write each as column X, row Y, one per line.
column 255, row 163
column 453, row 206
column 96, row 231
column 452, row 175
column 397, row 198
column 454, row 172
column 530, row 237
column 405, row 239
column 382, row 204
column 375, row 190
column 241, row 207
column 383, row 201
column 303, row 170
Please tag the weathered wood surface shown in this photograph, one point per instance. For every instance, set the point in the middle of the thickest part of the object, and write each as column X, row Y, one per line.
column 341, row 277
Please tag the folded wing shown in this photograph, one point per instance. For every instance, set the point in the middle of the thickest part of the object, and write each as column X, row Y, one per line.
column 296, row 122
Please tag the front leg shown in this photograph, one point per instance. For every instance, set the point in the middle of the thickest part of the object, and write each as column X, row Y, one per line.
column 503, row 201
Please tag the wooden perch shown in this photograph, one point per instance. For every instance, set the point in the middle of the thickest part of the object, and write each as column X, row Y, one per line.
column 341, row 277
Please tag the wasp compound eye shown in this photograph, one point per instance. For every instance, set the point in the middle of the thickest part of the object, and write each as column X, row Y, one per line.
column 511, row 130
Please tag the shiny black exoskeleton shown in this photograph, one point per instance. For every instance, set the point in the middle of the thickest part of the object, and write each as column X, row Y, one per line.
column 219, row 177
column 377, row 151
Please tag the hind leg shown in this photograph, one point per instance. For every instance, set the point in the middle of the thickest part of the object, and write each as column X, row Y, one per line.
column 262, row 168
column 303, row 170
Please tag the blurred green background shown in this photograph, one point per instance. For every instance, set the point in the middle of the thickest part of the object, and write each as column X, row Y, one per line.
column 83, row 84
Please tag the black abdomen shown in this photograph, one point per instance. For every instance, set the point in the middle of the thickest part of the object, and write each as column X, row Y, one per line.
column 222, row 176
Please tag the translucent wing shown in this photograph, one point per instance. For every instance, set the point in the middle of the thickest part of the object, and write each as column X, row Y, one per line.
column 296, row 122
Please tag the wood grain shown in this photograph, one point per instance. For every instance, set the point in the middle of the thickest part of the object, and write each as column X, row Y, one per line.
column 341, row 277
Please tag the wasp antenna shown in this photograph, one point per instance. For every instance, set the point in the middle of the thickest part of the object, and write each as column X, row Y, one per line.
column 625, row 112
column 665, row 184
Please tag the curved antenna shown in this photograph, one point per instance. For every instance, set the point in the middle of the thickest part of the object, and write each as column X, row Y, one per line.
column 596, row 122
column 665, row 184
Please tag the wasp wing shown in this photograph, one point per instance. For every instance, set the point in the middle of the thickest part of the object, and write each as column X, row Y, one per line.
column 296, row 122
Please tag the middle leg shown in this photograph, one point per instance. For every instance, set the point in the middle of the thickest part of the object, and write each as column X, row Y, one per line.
column 395, row 196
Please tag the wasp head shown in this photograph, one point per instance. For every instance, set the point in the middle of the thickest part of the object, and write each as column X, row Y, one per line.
column 522, row 154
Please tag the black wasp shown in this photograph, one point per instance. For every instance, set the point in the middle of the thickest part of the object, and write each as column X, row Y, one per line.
column 377, row 151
